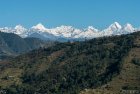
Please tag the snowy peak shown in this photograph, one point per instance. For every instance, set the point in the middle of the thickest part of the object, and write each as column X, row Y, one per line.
column 115, row 26
column 65, row 28
column 91, row 28
column 39, row 27
column 20, row 30
column 65, row 31
column 19, row 27
column 113, row 29
column 128, row 27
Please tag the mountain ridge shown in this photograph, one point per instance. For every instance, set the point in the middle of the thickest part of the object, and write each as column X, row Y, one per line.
column 69, row 32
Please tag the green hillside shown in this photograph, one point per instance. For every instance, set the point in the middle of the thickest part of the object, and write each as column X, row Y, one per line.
column 75, row 67
column 128, row 81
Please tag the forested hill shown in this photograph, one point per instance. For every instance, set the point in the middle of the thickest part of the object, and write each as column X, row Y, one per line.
column 68, row 68
column 12, row 45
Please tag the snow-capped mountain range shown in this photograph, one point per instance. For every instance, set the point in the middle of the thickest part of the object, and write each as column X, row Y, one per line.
column 69, row 32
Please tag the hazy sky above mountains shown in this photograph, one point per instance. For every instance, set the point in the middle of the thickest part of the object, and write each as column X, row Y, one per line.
column 77, row 13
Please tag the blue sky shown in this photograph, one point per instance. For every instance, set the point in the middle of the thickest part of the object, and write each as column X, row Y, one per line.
column 77, row 13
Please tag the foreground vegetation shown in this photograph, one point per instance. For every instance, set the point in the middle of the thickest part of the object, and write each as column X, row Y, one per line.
column 69, row 68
